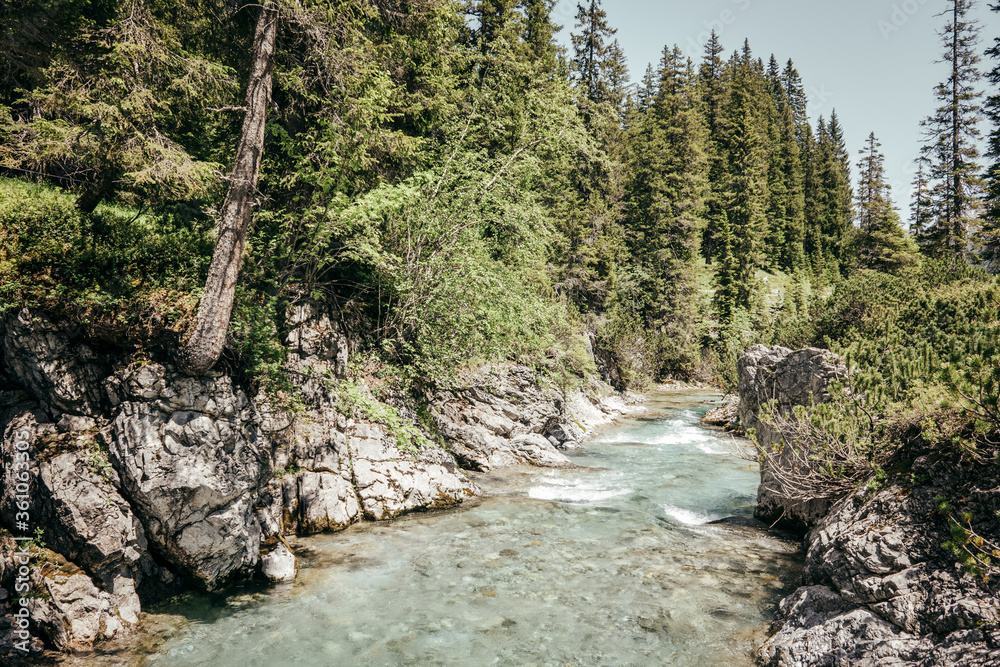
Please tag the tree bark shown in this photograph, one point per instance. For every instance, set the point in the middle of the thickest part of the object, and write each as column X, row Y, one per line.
column 94, row 193
column 204, row 347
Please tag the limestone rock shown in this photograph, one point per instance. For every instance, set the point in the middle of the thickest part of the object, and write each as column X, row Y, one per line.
column 191, row 460
column 789, row 379
column 74, row 614
column 495, row 422
column 278, row 566
column 72, row 423
column 318, row 502
column 64, row 606
column 725, row 415
column 63, row 373
column 389, row 485
column 879, row 589
column 347, row 470
column 318, row 347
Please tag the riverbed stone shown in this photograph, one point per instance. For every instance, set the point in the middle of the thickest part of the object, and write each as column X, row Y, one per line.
column 278, row 566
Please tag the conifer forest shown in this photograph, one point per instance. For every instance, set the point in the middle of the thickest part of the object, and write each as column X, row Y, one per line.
column 459, row 185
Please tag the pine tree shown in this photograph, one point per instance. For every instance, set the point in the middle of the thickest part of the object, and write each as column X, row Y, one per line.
column 790, row 163
column 747, row 194
column 617, row 77
column 592, row 51
column 828, row 198
column 666, row 197
column 714, row 79
column 921, row 208
column 797, row 101
column 952, row 133
column 989, row 235
column 726, row 280
column 648, row 89
column 881, row 243
column 839, row 184
column 496, row 19
column 540, row 32
column 777, row 185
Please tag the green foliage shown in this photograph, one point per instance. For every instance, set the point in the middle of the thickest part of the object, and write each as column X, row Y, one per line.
column 978, row 555
column 456, row 274
column 356, row 401
column 115, row 267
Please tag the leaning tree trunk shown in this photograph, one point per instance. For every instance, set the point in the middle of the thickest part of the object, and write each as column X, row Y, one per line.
column 202, row 350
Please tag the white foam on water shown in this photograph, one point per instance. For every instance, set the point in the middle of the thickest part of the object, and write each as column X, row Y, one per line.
column 687, row 435
column 689, row 517
column 715, row 449
column 582, row 493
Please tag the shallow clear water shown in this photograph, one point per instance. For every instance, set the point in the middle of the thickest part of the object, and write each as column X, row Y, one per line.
column 611, row 563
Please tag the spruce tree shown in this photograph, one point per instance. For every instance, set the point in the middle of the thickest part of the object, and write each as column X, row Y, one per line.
column 496, row 19
column 989, row 235
column 881, row 244
column 790, row 163
column 952, row 136
column 797, row 101
column 666, row 201
column 714, row 78
column 648, row 89
column 921, row 208
column 778, row 186
column 828, row 199
column 540, row 31
column 591, row 51
column 726, row 277
column 747, row 194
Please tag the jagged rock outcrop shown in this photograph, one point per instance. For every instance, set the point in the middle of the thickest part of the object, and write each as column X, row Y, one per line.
column 319, row 346
column 347, row 470
column 58, row 370
column 143, row 479
column 880, row 589
column 192, row 461
column 781, row 379
column 726, row 415
column 62, row 602
column 506, row 417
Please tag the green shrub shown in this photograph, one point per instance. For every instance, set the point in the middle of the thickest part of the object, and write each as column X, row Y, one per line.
column 130, row 270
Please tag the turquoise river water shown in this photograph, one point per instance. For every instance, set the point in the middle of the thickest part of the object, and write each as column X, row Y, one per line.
column 614, row 562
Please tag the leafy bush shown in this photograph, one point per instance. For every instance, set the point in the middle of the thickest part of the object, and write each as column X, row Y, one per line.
column 114, row 265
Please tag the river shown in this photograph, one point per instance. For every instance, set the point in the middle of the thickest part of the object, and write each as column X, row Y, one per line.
column 615, row 562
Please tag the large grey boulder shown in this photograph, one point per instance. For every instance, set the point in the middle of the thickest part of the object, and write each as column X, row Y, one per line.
column 74, row 614
column 780, row 379
column 879, row 588
column 192, row 462
column 390, row 484
column 73, row 500
column 59, row 371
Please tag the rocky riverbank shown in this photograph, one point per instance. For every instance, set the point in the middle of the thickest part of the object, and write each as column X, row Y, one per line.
column 879, row 587
column 140, row 482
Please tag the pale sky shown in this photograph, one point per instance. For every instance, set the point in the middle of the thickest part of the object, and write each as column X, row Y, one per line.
column 872, row 60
